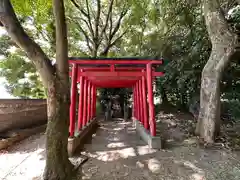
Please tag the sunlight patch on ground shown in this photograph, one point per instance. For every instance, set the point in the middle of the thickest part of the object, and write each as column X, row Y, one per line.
column 166, row 117
column 116, row 144
column 118, row 129
column 154, row 165
column 197, row 176
column 140, row 164
column 114, row 139
column 113, row 155
column 25, row 165
column 143, row 150
column 124, row 153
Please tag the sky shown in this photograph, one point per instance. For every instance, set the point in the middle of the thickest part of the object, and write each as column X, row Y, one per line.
column 3, row 93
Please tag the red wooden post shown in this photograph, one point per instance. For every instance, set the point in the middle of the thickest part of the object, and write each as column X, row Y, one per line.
column 140, row 102
column 135, row 86
column 80, row 104
column 89, row 102
column 150, row 101
column 85, row 84
column 73, row 99
column 133, row 102
column 137, row 103
column 92, row 101
column 95, row 104
column 144, row 93
column 112, row 68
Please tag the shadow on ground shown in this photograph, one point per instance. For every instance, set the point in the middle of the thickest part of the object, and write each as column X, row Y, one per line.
column 116, row 152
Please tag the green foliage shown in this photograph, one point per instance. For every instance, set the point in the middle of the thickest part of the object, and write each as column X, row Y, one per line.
column 20, row 74
column 37, row 8
column 171, row 29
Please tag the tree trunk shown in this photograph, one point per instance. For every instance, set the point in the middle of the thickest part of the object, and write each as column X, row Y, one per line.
column 223, row 42
column 56, row 81
column 108, row 112
column 58, row 165
column 208, row 125
column 126, row 110
column 164, row 96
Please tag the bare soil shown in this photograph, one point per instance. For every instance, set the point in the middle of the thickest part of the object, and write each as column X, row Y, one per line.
column 117, row 153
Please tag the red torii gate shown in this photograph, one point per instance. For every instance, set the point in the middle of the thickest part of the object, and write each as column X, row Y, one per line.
column 139, row 74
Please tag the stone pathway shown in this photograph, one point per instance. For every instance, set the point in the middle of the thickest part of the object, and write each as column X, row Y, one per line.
column 116, row 153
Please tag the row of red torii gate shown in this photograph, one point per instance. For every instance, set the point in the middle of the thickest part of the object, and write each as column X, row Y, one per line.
column 93, row 73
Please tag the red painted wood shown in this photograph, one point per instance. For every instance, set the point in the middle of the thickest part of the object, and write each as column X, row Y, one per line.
column 102, row 61
column 92, row 101
column 73, row 100
column 144, row 95
column 80, row 104
column 109, row 68
column 89, row 102
column 113, row 77
column 140, row 102
column 112, row 68
column 85, row 101
column 102, row 73
column 117, row 74
column 108, row 84
column 150, row 101
column 137, row 102
column 134, row 101
column 116, row 78
column 111, row 74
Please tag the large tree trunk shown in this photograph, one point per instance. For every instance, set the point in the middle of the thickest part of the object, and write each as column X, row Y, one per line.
column 208, row 125
column 223, row 46
column 55, row 80
column 58, row 165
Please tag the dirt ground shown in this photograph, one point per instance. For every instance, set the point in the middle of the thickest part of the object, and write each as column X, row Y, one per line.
column 117, row 153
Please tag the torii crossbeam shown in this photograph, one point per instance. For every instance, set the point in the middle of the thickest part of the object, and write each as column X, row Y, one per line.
column 93, row 73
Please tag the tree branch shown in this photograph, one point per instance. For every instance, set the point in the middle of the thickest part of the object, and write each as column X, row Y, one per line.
column 89, row 19
column 85, row 21
column 33, row 50
column 105, row 51
column 107, row 19
column 111, row 24
column 115, row 30
column 86, row 14
column 61, row 39
column 79, row 8
column 86, row 37
column 97, row 19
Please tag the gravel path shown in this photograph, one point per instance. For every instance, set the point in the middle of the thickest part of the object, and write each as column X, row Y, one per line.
column 115, row 153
